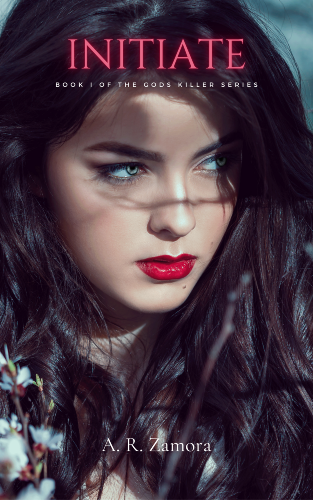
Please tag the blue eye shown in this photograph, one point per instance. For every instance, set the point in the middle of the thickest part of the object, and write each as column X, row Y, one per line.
column 124, row 171
column 121, row 173
column 221, row 161
column 214, row 162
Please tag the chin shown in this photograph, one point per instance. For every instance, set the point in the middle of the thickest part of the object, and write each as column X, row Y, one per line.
column 160, row 303
column 153, row 299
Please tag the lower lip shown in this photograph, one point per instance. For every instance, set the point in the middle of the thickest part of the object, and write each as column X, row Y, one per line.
column 166, row 270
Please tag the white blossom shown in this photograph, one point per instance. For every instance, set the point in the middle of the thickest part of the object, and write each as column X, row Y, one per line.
column 13, row 456
column 7, row 426
column 7, row 382
column 45, row 492
column 23, row 379
column 3, row 361
column 46, row 437
column 14, row 423
column 23, row 376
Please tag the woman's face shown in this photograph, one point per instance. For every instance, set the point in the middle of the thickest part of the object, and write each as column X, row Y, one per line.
column 151, row 177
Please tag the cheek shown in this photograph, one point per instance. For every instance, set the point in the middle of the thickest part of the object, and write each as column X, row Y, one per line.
column 97, row 232
column 212, row 222
column 92, row 226
column 103, row 240
column 218, row 215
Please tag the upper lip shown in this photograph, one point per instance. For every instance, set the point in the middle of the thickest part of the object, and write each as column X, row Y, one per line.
column 169, row 258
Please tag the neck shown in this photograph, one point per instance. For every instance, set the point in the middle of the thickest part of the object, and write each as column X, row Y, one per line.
column 131, row 338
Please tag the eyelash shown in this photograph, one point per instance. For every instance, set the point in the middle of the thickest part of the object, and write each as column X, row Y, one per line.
column 105, row 171
column 232, row 158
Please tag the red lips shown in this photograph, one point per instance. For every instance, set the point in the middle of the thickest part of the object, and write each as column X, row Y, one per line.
column 166, row 267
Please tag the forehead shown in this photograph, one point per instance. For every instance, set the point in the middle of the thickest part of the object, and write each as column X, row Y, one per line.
column 160, row 120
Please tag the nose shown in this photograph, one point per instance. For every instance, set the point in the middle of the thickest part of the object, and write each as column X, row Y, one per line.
column 174, row 219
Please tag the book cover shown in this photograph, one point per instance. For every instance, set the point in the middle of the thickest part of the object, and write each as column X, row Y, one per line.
column 156, row 184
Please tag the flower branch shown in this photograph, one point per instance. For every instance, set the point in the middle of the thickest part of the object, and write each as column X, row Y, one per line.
column 15, row 449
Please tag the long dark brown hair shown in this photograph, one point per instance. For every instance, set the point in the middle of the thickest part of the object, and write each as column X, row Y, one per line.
column 260, row 397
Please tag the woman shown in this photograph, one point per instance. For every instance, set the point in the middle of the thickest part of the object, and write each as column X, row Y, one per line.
column 130, row 208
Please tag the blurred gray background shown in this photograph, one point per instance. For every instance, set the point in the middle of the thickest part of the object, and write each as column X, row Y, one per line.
column 294, row 18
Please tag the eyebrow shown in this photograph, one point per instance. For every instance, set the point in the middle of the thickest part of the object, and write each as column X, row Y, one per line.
column 227, row 139
column 127, row 150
